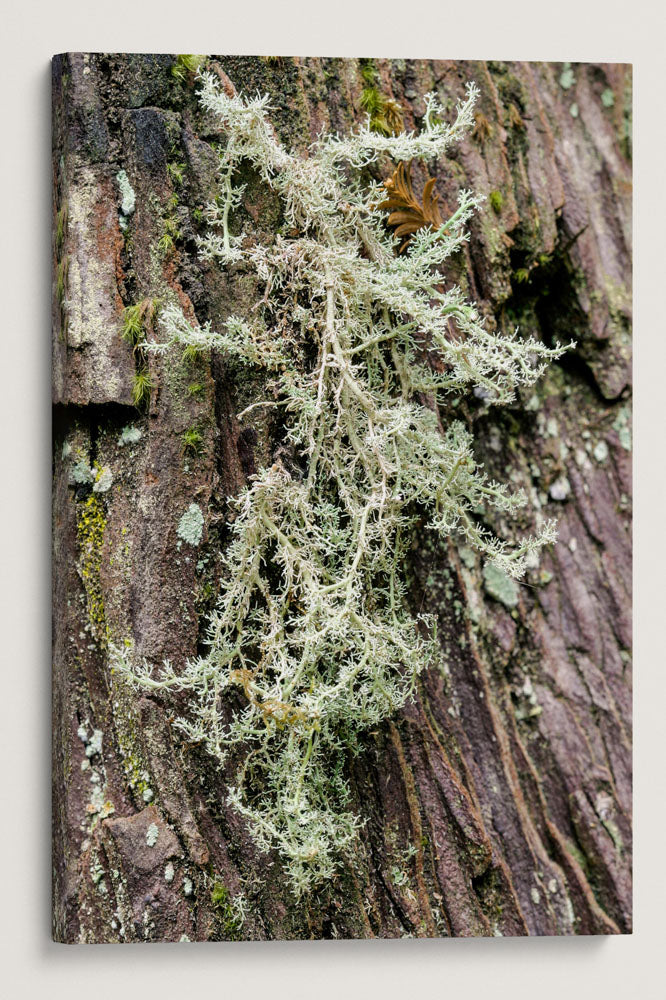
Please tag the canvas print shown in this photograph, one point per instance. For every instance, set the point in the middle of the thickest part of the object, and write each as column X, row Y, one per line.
column 341, row 498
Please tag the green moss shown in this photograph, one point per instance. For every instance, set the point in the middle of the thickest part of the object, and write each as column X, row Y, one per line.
column 192, row 441
column 90, row 528
column 567, row 78
column 496, row 201
column 175, row 173
column 61, row 228
column 62, row 271
column 142, row 386
column 136, row 319
column 229, row 918
column 385, row 114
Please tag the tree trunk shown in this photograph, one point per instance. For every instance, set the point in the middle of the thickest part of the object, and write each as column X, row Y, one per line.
column 498, row 801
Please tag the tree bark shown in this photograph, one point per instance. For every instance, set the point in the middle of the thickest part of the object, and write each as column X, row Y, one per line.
column 509, row 774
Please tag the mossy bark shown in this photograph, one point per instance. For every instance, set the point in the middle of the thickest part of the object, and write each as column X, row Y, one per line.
column 499, row 800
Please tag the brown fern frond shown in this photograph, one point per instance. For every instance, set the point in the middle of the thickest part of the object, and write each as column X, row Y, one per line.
column 407, row 213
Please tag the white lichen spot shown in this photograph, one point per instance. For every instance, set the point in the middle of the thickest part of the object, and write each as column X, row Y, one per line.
column 567, row 78
column 126, row 193
column 152, row 834
column 552, row 427
column 573, row 111
column 94, row 743
column 608, row 98
column 66, row 449
column 600, row 451
column 533, row 403
column 188, row 888
column 184, row 938
column 534, row 893
column 103, row 481
column 130, row 435
column 190, row 526
column 621, row 425
column 147, row 795
column 552, row 885
column 169, row 873
column 573, row 544
column 82, row 473
column 560, row 489
column 582, row 461
column 82, row 733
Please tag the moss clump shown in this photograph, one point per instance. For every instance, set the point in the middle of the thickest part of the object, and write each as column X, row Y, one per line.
column 91, row 524
column 137, row 319
column 228, row 914
column 496, row 201
column 142, row 386
column 385, row 114
column 192, row 441
column 185, row 67
column 61, row 228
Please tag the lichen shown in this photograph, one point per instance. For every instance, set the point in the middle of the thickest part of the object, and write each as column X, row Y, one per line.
column 567, row 77
column 103, row 480
column 128, row 202
column 190, row 526
column 130, row 435
column 500, row 586
column 600, row 451
column 621, row 425
column 311, row 625
column 152, row 834
column 81, row 473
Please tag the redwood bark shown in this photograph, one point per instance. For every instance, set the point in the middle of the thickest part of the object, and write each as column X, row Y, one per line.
column 510, row 772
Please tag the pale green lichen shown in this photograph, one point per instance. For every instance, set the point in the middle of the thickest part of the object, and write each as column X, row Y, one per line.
column 190, row 526
column 91, row 524
column 81, row 473
column 621, row 425
column 130, row 435
column 500, row 586
column 127, row 195
column 152, row 834
column 608, row 98
column 94, row 743
column 600, row 452
column 567, row 78
column 103, row 480
column 311, row 624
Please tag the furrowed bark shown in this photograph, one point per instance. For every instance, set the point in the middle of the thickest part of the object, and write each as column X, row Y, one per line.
column 510, row 772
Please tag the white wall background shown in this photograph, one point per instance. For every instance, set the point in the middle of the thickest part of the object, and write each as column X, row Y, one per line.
column 30, row 965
